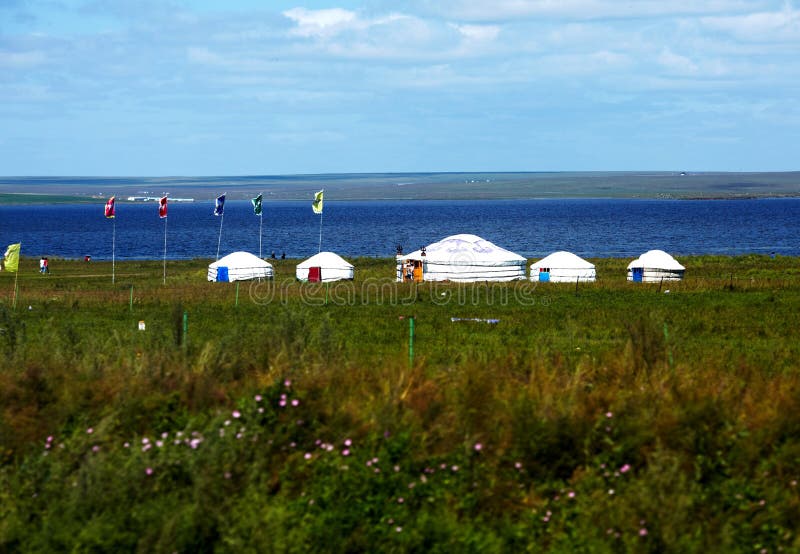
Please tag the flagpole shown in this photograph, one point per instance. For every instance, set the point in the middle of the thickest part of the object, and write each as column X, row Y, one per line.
column 113, row 249
column 165, row 250
column 16, row 280
column 320, row 233
column 219, row 240
column 260, row 231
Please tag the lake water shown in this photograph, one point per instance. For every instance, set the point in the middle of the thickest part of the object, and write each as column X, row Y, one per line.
column 532, row 228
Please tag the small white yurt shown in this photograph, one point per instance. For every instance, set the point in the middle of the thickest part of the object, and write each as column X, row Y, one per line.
column 324, row 268
column 239, row 266
column 463, row 258
column 563, row 267
column 654, row 266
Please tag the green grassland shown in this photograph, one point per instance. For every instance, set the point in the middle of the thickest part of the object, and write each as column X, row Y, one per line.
column 288, row 417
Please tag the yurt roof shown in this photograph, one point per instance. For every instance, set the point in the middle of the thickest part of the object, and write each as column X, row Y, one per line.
column 325, row 259
column 656, row 259
column 240, row 259
column 464, row 248
column 563, row 260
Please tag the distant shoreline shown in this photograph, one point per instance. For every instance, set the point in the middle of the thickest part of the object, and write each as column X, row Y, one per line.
column 411, row 186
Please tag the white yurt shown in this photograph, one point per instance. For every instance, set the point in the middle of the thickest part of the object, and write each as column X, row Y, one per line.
column 655, row 266
column 324, row 267
column 563, row 267
column 463, row 258
column 239, row 266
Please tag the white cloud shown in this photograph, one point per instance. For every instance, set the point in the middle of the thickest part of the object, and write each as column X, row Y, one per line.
column 775, row 26
column 483, row 33
column 21, row 59
column 320, row 23
column 505, row 10
column 677, row 63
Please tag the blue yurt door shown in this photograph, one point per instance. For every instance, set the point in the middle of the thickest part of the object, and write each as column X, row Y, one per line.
column 544, row 275
column 638, row 273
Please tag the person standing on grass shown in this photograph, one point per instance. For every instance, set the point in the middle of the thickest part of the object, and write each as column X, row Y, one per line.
column 46, row 267
column 41, row 265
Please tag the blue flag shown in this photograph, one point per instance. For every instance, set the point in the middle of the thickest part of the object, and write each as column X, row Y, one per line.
column 220, row 205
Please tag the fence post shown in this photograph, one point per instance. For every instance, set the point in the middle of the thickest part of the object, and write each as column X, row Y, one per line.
column 411, row 341
column 185, row 327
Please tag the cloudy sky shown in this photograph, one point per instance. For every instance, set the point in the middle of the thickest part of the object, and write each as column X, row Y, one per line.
column 204, row 87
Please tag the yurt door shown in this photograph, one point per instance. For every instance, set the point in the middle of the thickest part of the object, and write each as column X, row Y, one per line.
column 314, row 274
column 638, row 273
column 417, row 272
column 544, row 275
column 222, row 274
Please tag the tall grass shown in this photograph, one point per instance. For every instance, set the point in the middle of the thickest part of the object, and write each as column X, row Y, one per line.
column 612, row 418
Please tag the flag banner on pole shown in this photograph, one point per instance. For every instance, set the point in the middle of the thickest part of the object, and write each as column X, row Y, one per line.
column 110, row 212
column 219, row 206
column 257, row 204
column 11, row 257
column 162, row 207
column 316, row 205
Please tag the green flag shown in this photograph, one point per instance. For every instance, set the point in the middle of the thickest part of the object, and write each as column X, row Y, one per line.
column 316, row 205
column 11, row 258
column 257, row 204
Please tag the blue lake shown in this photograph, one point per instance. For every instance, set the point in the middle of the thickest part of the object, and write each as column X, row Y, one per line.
column 532, row 228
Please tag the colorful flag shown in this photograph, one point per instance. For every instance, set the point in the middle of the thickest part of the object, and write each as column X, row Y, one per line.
column 219, row 207
column 11, row 258
column 162, row 207
column 257, row 204
column 110, row 212
column 316, row 205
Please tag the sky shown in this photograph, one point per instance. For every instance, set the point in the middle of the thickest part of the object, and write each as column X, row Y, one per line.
column 247, row 87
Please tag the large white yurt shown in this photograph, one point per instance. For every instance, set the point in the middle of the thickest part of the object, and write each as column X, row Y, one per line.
column 563, row 267
column 323, row 268
column 239, row 266
column 654, row 266
column 464, row 258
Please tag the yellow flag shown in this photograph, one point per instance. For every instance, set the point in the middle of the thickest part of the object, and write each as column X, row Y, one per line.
column 316, row 205
column 11, row 258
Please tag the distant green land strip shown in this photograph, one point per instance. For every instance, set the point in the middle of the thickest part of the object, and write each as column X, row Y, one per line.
column 35, row 198
column 418, row 186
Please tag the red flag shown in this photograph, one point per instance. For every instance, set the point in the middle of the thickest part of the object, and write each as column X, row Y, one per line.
column 110, row 208
column 162, row 207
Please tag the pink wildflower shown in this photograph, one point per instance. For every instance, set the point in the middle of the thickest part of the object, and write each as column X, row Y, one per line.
column 625, row 469
column 345, row 452
column 258, row 398
column 609, row 415
column 347, row 442
column 287, row 383
column 307, row 455
column 643, row 532
column 236, row 414
column 478, row 447
column 89, row 431
column 148, row 471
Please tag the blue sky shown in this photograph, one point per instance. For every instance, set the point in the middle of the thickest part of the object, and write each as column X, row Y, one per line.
column 201, row 87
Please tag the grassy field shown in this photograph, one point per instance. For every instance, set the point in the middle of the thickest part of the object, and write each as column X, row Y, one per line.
column 280, row 417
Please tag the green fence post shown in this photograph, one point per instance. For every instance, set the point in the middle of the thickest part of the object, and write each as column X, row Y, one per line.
column 185, row 327
column 411, row 341
column 237, row 294
column 130, row 304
